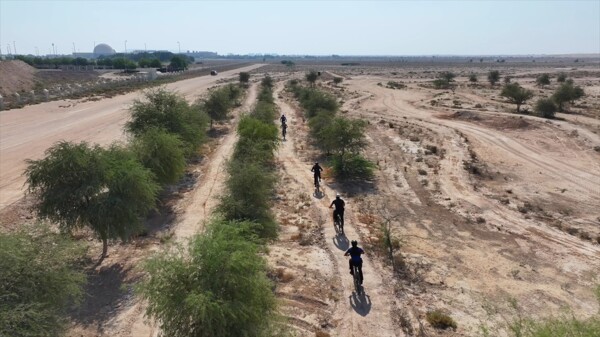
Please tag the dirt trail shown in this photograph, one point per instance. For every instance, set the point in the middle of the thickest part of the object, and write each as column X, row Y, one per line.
column 369, row 314
column 199, row 204
column 28, row 132
column 204, row 198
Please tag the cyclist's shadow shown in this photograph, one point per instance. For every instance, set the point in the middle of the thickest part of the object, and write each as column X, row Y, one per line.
column 360, row 303
column 341, row 241
column 318, row 193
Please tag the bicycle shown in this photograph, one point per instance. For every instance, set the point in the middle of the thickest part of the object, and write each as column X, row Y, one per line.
column 357, row 279
column 283, row 132
column 337, row 224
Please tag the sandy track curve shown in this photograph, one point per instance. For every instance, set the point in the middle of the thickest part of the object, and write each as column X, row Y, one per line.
column 359, row 316
column 26, row 133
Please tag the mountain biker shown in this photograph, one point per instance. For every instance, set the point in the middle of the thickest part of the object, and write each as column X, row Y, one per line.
column 339, row 208
column 283, row 119
column 317, row 170
column 355, row 252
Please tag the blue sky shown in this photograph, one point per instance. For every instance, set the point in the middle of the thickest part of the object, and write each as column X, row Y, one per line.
column 306, row 27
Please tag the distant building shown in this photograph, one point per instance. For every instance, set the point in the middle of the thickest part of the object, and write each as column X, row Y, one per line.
column 103, row 50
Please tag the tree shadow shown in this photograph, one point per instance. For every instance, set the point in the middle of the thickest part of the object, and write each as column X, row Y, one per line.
column 104, row 290
column 355, row 187
column 341, row 241
column 361, row 303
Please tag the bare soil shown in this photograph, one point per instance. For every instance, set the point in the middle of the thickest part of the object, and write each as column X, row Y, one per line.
column 485, row 204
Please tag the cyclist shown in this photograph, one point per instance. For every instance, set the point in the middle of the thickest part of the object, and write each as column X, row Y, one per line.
column 339, row 208
column 317, row 171
column 355, row 260
column 283, row 119
column 283, row 129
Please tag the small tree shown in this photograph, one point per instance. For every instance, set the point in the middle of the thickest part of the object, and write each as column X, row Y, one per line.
column 311, row 77
column 447, row 76
column 567, row 92
column 155, row 63
column 168, row 111
column 473, row 78
column 507, row 79
column 217, row 105
column 561, row 78
column 106, row 190
column 162, row 153
column 244, row 77
column 215, row 287
column 179, row 62
column 516, row 94
column 337, row 80
column 267, row 82
column 542, row 80
column 345, row 136
column 493, row 77
column 40, row 279
column 545, row 107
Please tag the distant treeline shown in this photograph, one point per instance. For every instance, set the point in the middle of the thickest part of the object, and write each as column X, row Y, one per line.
column 118, row 61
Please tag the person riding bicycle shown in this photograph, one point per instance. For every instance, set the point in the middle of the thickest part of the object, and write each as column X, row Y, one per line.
column 283, row 119
column 317, row 170
column 284, row 129
column 339, row 208
column 355, row 260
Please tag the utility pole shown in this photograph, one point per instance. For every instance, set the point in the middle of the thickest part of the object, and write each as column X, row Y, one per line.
column 179, row 46
column 125, row 46
column 145, row 49
column 53, row 50
column 73, row 48
column 15, row 47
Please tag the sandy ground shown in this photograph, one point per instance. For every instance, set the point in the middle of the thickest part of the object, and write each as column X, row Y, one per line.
column 486, row 205
column 26, row 133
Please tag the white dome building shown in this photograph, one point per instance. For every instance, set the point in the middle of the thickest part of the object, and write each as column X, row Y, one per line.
column 103, row 49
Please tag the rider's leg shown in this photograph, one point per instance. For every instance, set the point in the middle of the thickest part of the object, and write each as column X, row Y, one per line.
column 350, row 264
column 342, row 217
column 360, row 271
column 334, row 214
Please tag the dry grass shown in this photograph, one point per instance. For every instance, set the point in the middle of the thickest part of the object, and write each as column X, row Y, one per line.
column 367, row 218
column 283, row 275
column 321, row 334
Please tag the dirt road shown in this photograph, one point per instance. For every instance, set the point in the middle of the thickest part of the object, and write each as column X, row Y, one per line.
column 365, row 314
column 26, row 133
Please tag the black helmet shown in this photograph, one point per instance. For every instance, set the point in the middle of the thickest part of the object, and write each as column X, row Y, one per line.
column 354, row 243
column 316, row 163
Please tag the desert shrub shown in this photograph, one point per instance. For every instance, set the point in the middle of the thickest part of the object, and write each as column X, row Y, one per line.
column 448, row 76
column 267, row 82
column 567, row 92
column 473, row 78
column 217, row 105
column 516, row 94
column 256, row 130
column 439, row 320
column 545, row 107
column 395, row 85
column 561, row 77
column 507, row 79
column 171, row 112
column 161, row 153
column 353, row 167
column 441, row 83
column 311, row 77
column 313, row 101
column 244, row 77
column 247, row 196
column 106, row 190
column 318, row 125
column 216, row 286
column 493, row 76
column 40, row 279
column 338, row 80
column 345, row 136
column 542, row 80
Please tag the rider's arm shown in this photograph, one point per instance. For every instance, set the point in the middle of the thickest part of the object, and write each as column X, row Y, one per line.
column 331, row 204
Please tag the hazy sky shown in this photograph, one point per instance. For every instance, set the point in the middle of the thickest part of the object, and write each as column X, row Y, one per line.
column 305, row 27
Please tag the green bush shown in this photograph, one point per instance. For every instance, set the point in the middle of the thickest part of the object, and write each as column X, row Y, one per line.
column 161, row 153
column 247, row 196
column 215, row 287
column 516, row 94
column 546, row 108
column 267, row 82
column 244, row 77
column 542, row 80
column 313, row 101
column 106, row 190
column 441, row 83
column 311, row 77
column 567, row 92
column 493, row 76
column 353, row 167
column 439, row 320
column 561, row 77
column 168, row 111
column 338, row 80
column 345, row 136
column 318, row 126
column 473, row 78
column 39, row 280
